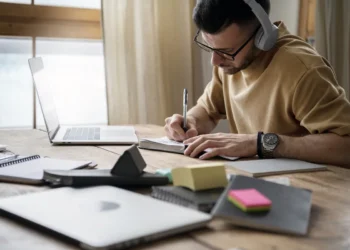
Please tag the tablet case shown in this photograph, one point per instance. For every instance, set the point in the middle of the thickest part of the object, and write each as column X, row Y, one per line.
column 127, row 171
column 80, row 178
column 289, row 212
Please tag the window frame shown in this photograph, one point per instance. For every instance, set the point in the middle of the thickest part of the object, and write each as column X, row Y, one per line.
column 49, row 21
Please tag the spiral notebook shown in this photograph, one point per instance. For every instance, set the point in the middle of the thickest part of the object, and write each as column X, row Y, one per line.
column 200, row 200
column 30, row 169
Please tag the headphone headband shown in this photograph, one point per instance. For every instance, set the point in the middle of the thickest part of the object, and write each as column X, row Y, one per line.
column 267, row 37
column 260, row 15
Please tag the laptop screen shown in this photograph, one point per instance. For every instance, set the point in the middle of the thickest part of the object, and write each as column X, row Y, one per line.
column 44, row 92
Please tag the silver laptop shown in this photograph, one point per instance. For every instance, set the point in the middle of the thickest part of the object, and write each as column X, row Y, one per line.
column 59, row 134
column 103, row 217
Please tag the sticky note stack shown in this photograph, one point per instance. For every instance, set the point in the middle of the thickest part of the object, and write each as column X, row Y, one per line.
column 200, row 176
column 249, row 200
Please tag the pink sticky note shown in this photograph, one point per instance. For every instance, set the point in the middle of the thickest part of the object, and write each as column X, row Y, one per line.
column 249, row 197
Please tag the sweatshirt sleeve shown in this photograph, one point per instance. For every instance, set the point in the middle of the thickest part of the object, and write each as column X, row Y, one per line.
column 212, row 100
column 320, row 104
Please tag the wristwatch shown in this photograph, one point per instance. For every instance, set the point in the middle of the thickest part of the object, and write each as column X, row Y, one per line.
column 267, row 144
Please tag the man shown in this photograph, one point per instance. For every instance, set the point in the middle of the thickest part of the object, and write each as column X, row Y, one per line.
column 281, row 103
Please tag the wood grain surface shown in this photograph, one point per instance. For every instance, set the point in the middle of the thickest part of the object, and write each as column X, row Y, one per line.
column 330, row 215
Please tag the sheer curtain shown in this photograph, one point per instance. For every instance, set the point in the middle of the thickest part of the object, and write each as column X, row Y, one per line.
column 149, row 58
column 333, row 37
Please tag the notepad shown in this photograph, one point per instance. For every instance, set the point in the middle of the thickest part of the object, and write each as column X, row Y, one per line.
column 258, row 168
column 167, row 145
column 30, row 170
column 200, row 176
column 249, row 200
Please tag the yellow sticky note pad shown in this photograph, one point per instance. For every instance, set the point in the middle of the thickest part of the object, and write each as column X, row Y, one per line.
column 200, row 176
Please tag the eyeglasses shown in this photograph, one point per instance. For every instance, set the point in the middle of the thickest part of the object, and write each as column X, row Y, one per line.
column 223, row 54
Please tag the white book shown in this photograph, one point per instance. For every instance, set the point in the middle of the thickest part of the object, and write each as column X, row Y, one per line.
column 166, row 145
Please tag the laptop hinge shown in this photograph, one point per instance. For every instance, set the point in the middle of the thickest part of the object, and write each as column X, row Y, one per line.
column 55, row 133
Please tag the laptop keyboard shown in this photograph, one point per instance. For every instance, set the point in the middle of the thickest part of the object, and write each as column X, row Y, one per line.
column 82, row 134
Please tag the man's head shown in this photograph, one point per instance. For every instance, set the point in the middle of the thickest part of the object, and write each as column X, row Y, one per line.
column 229, row 27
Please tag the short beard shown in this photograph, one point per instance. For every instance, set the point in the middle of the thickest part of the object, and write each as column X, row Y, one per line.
column 247, row 61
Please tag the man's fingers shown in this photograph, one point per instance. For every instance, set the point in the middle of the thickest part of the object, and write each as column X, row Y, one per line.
column 171, row 134
column 176, row 125
column 199, row 145
column 210, row 154
column 167, row 120
column 168, row 133
column 190, row 140
column 193, row 143
column 204, row 146
column 173, row 128
column 192, row 132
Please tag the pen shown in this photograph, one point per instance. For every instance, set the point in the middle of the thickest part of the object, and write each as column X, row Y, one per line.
column 184, row 113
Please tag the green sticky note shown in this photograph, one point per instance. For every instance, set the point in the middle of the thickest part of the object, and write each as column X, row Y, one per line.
column 165, row 172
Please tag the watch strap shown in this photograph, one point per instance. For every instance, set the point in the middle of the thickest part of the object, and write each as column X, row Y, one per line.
column 267, row 154
column 259, row 145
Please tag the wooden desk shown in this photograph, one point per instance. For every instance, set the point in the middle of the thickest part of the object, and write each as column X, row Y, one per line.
column 330, row 216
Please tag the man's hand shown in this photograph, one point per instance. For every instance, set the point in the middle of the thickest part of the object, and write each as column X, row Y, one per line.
column 174, row 130
column 236, row 145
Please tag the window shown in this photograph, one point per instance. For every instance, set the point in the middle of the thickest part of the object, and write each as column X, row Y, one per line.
column 77, row 72
column 16, row 90
column 67, row 35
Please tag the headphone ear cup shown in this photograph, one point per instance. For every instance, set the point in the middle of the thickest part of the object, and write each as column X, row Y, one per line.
column 264, row 41
column 259, row 39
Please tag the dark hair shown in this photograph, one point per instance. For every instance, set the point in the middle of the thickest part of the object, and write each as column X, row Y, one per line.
column 213, row 16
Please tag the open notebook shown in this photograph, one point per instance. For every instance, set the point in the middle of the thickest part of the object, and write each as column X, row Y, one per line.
column 167, row 145
column 30, row 169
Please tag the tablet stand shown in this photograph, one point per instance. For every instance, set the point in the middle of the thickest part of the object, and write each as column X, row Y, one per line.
column 130, row 163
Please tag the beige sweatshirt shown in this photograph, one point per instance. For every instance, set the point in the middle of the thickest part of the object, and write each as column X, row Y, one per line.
column 288, row 90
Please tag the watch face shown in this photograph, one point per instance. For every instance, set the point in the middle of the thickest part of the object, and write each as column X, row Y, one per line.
column 270, row 139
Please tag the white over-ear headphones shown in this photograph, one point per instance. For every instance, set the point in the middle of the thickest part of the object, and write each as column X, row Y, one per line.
column 267, row 35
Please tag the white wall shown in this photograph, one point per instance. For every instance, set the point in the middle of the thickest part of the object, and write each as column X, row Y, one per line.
column 286, row 11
